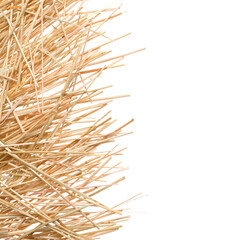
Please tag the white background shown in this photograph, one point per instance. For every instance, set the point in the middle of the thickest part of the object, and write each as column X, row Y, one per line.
column 183, row 98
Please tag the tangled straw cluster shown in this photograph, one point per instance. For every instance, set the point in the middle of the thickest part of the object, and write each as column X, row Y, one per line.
column 50, row 168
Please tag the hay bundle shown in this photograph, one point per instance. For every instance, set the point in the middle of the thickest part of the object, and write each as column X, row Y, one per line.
column 50, row 127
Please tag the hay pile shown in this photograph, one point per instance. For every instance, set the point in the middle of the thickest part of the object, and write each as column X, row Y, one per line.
column 50, row 128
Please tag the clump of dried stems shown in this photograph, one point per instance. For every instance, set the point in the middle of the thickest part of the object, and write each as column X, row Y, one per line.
column 50, row 168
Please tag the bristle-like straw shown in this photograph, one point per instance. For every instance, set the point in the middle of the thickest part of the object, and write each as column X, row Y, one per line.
column 50, row 167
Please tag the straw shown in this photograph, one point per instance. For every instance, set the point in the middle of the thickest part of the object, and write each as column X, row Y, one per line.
column 53, row 121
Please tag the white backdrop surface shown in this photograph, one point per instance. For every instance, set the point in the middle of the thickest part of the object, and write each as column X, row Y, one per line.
column 182, row 154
